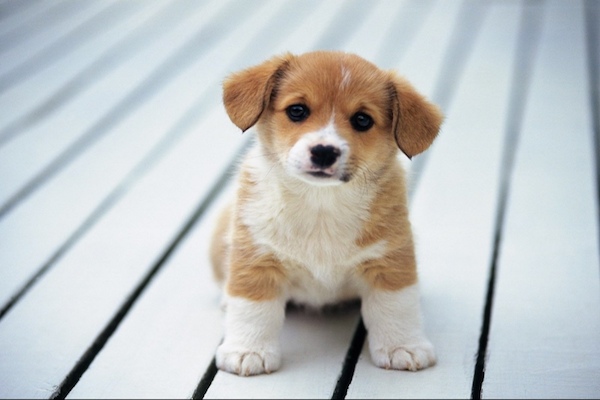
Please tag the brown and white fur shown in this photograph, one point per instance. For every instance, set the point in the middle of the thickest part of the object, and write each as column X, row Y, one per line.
column 320, row 214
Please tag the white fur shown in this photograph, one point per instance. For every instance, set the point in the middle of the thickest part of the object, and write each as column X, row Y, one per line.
column 251, row 345
column 396, row 338
column 345, row 77
column 311, row 229
column 298, row 161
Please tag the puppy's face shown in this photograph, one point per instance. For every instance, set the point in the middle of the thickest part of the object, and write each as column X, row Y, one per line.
column 328, row 117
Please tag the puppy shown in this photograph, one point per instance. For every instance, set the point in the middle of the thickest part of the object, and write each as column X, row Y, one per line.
column 320, row 214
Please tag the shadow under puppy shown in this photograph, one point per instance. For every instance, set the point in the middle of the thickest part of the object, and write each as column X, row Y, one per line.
column 320, row 214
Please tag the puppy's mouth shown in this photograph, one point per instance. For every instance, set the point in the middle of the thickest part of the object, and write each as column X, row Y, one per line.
column 320, row 174
column 323, row 175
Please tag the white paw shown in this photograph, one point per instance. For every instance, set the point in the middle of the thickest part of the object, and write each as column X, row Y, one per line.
column 410, row 357
column 246, row 362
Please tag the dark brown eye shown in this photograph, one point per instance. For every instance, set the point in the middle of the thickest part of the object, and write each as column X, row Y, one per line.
column 361, row 122
column 297, row 112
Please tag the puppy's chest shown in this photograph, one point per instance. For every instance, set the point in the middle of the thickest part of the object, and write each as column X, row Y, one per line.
column 318, row 234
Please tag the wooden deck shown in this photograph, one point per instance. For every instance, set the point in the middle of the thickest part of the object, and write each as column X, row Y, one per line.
column 115, row 153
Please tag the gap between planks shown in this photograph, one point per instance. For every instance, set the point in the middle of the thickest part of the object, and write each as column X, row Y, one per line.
column 527, row 45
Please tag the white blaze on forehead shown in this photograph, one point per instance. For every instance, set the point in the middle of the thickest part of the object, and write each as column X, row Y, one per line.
column 345, row 77
column 327, row 135
column 328, row 131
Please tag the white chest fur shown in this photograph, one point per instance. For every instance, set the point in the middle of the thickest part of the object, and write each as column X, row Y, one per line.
column 313, row 230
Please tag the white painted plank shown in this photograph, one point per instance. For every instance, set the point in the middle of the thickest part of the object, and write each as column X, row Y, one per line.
column 424, row 69
column 421, row 61
column 453, row 217
column 92, row 278
column 168, row 339
column 16, row 15
column 164, row 346
column 53, row 34
column 117, row 154
column 25, row 156
column 17, row 100
column 545, row 331
column 47, row 218
column 367, row 39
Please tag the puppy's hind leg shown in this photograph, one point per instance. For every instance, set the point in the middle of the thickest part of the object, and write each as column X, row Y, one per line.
column 219, row 245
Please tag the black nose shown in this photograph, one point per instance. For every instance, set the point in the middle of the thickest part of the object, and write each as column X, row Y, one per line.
column 324, row 156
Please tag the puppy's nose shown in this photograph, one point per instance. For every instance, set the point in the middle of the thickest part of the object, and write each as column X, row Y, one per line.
column 324, row 156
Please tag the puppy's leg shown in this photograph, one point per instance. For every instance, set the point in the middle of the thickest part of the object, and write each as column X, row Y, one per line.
column 251, row 344
column 395, row 333
column 255, row 310
column 391, row 311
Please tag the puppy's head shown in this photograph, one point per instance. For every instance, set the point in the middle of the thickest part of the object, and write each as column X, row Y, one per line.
column 326, row 116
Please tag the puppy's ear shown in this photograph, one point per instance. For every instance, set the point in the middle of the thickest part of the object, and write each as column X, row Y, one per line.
column 415, row 121
column 247, row 93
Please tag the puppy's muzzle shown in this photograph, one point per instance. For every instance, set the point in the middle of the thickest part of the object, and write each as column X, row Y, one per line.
column 324, row 156
column 319, row 158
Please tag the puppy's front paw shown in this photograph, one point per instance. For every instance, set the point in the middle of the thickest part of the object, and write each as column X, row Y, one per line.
column 410, row 357
column 246, row 362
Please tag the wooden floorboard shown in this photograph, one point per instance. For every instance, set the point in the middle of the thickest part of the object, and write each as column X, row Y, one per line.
column 542, row 339
column 116, row 155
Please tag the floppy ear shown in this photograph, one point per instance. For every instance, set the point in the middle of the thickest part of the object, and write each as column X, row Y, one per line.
column 247, row 93
column 415, row 121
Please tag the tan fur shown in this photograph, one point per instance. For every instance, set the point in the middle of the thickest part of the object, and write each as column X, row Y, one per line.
column 334, row 85
column 389, row 220
column 416, row 121
column 245, row 102
column 219, row 246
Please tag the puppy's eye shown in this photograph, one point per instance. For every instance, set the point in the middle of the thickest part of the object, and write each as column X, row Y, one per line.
column 361, row 122
column 297, row 112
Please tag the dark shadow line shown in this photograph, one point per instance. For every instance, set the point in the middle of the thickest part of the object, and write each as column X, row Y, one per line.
column 527, row 44
column 352, row 355
column 206, row 381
